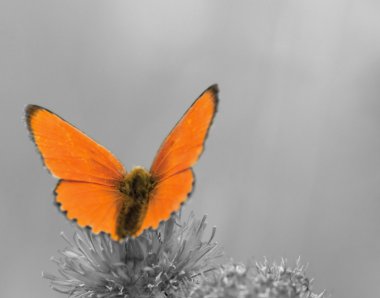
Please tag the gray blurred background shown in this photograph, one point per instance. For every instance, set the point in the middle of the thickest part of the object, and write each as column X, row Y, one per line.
column 292, row 164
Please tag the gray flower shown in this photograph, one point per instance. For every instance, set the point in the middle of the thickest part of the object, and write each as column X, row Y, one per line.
column 159, row 263
column 261, row 281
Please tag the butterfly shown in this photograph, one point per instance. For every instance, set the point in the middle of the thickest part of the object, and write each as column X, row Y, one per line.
column 96, row 191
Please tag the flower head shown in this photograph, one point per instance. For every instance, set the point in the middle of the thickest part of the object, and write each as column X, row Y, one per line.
column 159, row 263
column 261, row 281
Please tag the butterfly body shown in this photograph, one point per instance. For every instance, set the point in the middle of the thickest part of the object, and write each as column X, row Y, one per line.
column 95, row 189
column 137, row 187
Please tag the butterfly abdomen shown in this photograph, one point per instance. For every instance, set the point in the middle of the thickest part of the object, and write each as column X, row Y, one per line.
column 136, row 187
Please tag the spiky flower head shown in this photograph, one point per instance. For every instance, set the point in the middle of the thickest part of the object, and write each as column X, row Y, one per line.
column 159, row 263
column 261, row 281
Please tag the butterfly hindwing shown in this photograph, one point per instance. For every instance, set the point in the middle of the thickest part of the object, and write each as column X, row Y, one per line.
column 167, row 198
column 93, row 205
column 178, row 153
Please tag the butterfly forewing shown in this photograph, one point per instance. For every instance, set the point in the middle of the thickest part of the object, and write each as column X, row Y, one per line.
column 68, row 153
column 183, row 146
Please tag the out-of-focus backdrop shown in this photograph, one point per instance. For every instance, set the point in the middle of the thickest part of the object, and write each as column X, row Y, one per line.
column 292, row 164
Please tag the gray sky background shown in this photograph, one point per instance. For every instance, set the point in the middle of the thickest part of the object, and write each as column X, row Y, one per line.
column 292, row 164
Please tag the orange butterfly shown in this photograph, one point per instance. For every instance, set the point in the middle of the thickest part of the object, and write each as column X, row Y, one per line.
column 94, row 188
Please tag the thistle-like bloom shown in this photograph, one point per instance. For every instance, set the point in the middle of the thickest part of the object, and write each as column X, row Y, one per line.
column 159, row 263
column 261, row 281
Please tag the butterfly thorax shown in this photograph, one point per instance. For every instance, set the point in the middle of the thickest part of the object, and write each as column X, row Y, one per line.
column 137, row 184
column 136, row 187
